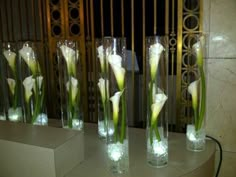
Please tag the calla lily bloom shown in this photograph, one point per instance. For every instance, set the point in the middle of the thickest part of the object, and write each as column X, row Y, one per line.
column 193, row 90
column 119, row 71
column 70, row 57
column 115, row 99
column 198, row 49
column 28, row 85
column 159, row 102
column 155, row 53
column 12, row 84
column 101, row 57
column 102, row 84
column 73, row 83
column 11, row 58
column 156, row 90
column 29, row 57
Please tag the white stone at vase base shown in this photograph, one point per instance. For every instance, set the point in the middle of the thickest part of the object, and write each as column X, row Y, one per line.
column 42, row 119
column 118, row 155
column 76, row 125
column 102, row 130
column 2, row 117
column 195, row 141
column 15, row 115
column 157, row 153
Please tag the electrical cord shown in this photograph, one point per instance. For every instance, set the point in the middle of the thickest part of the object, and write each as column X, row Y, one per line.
column 220, row 160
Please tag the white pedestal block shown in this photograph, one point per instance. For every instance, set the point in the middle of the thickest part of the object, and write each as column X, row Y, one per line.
column 38, row 151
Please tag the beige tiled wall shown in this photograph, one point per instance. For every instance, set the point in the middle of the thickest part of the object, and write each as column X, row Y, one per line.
column 221, row 107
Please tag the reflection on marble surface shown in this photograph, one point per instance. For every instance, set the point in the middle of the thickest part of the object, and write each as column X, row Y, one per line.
column 222, row 25
column 221, row 94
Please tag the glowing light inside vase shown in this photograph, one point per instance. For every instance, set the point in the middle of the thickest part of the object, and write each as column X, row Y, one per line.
column 102, row 130
column 159, row 147
column 116, row 151
column 193, row 135
column 14, row 114
column 42, row 119
column 77, row 124
column 2, row 117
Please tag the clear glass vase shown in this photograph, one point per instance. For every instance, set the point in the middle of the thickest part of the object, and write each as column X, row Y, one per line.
column 157, row 100
column 195, row 134
column 2, row 90
column 103, row 95
column 70, row 79
column 117, row 142
column 11, row 82
column 34, row 83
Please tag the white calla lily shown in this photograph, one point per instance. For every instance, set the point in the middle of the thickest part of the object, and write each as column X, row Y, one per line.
column 28, row 85
column 119, row 71
column 70, row 56
column 73, row 83
column 159, row 102
column 198, row 50
column 11, row 58
column 29, row 57
column 155, row 90
column 101, row 57
column 12, row 83
column 155, row 53
column 39, row 81
column 115, row 99
column 103, row 84
column 193, row 90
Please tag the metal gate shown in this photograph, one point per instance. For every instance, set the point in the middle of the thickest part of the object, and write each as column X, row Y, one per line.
column 46, row 21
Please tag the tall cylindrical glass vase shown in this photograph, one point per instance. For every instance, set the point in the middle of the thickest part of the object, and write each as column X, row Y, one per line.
column 34, row 83
column 11, row 82
column 195, row 134
column 103, row 46
column 117, row 142
column 157, row 100
column 70, row 82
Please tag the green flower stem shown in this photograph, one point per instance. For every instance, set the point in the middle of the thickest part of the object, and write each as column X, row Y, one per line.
column 105, row 115
column 123, row 121
column 76, row 106
column 108, row 112
column 116, row 132
column 115, row 116
column 28, row 111
column 70, row 115
column 155, row 129
column 196, row 119
column 150, row 134
column 15, row 97
column 34, row 116
column 150, row 98
column 203, row 99
column 39, row 102
column 153, row 126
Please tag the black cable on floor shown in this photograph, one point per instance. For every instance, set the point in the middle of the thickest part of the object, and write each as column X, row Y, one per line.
column 220, row 161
